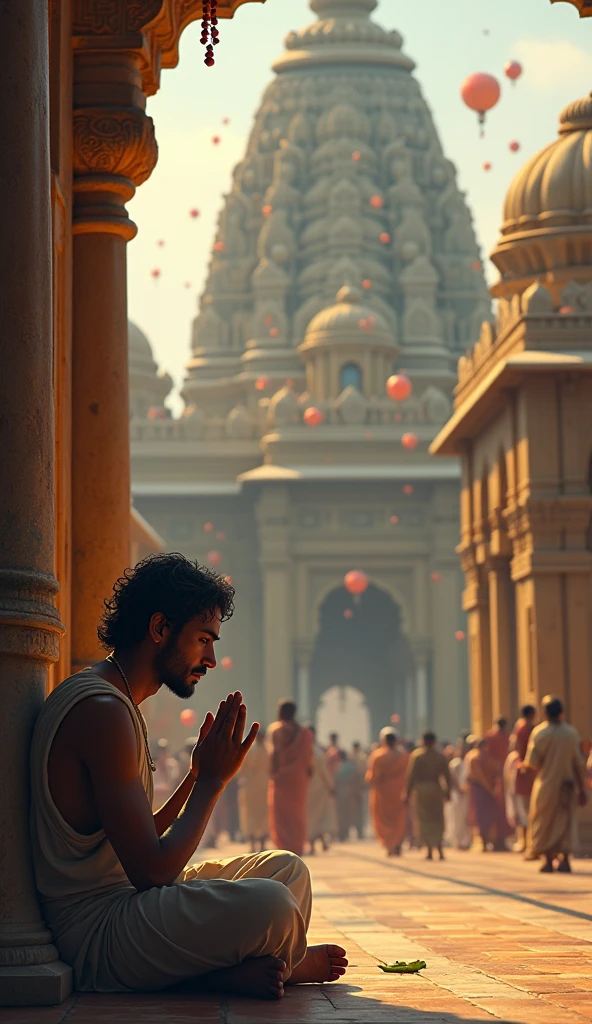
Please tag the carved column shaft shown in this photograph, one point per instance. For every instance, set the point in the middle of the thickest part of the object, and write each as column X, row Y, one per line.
column 29, row 625
column 114, row 151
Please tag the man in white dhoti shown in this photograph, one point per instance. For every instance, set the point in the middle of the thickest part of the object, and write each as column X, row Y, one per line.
column 124, row 910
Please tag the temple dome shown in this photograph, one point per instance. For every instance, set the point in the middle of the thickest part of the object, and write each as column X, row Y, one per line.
column 547, row 219
column 348, row 322
column 148, row 385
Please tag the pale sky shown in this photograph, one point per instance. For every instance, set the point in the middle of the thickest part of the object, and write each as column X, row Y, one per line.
column 448, row 39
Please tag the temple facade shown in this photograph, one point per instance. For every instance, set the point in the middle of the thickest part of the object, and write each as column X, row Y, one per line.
column 345, row 252
column 522, row 425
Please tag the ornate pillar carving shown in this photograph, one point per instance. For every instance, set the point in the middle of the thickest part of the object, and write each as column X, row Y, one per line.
column 30, row 971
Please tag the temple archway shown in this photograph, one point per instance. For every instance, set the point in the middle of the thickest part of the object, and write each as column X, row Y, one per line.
column 360, row 646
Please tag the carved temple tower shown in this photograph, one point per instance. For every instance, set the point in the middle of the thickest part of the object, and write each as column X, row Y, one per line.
column 344, row 251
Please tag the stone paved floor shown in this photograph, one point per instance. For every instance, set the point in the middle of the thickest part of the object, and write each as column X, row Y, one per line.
column 502, row 943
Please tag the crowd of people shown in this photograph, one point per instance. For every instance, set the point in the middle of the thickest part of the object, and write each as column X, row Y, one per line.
column 507, row 790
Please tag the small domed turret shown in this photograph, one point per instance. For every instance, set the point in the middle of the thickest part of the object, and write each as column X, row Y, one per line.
column 149, row 386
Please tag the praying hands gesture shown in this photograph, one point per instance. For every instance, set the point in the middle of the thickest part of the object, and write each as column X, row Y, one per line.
column 220, row 749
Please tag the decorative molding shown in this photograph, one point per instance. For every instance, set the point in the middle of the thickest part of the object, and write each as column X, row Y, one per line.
column 583, row 6
column 30, row 625
column 118, row 141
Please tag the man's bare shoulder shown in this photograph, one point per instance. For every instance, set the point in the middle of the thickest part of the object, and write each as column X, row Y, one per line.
column 101, row 719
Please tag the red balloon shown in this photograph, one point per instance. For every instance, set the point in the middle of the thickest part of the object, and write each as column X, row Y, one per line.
column 160, row 243
column 216, row 140
column 377, row 201
column 384, row 238
column 214, row 557
column 266, row 210
column 512, row 70
column 273, row 332
column 399, row 387
column 480, row 92
column 218, row 246
column 225, row 120
column 187, row 284
column 155, row 273
column 367, row 284
column 157, row 412
column 407, row 489
column 208, row 527
column 355, row 581
column 262, row 383
column 227, row 663
column 227, row 578
column 566, row 310
column 394, row 520
column 395, row 719
column 436, row 577
column 514, row 146
column 188, row 717
column 194, row 213
column 459, row 635
column 487, row 166
column 313, row 417
column 348, row 614
column 356, row 155
column 409, row 441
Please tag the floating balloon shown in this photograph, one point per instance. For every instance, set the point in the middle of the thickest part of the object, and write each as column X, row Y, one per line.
column 273, row 333
column 227, row 578
column 367, row 284
column 409, row 441
column 218, row 246
column 262, row 383
column 398, row 387
column 566, row 310
column 208, row 527
column 514, row 146
column 487, row 166
column 377, row 201
column 436, row 577
column 407, row 489
column 512, row 70
column 348, row 614
column 194, row 213
column 355, row 581
column 220, row 535
column 384, row 237
column 459, row 635
column 160, row 243
column 395, row 719
column 155, row 273
column 227, row 663
column 216, row 140
column 356, row 155
column 313, row 417
column 214, row 557
column 394, row 520
column 225, row 120
column 480, row 92
column 187, row 284
column 157, row 412
column 266, row 210
column 188, row 717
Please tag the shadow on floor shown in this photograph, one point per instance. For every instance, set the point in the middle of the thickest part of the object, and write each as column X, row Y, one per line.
column 307, row 1004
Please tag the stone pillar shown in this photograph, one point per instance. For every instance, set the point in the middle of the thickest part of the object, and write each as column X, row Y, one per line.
column 114, row 151
column 476, row 604
column 30, row 971
column 502, row 627
column 276, row 571
column 303, row 650
column 421, row 657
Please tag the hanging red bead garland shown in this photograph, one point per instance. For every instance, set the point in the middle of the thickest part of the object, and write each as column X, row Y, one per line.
column 209, row 30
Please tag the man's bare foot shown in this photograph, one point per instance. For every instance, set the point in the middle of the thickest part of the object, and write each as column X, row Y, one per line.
column 321, row 963
column 260, row 977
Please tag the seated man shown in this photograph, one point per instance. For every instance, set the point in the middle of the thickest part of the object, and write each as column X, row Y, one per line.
column 123, row 909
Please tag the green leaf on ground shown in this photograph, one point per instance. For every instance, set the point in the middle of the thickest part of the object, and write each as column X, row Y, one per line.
column 401, row 967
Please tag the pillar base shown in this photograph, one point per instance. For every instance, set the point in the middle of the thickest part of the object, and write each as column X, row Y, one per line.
column 35, row 985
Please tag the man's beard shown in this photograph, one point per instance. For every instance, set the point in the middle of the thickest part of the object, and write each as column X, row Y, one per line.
column 173, row 670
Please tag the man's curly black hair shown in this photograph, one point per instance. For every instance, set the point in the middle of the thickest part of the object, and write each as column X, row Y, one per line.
column 168, row 583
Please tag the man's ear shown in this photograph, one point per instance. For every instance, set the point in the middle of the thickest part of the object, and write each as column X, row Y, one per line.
column 157, row 627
